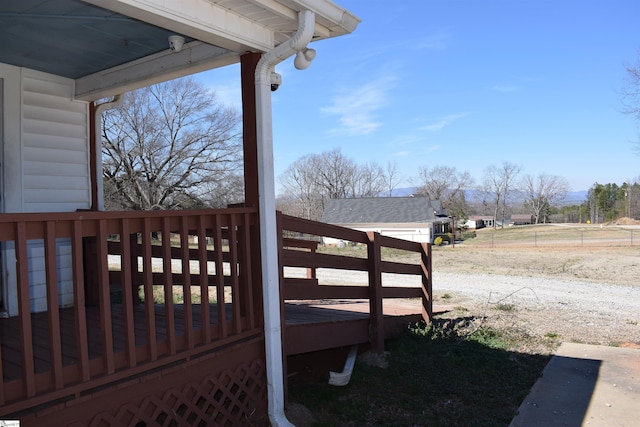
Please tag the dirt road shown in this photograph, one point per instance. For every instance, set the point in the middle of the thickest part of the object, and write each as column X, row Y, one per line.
column 585, row 295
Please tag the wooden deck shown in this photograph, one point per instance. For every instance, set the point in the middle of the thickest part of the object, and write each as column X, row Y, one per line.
column 324, row 324
column 301, row 317
column 58, row 358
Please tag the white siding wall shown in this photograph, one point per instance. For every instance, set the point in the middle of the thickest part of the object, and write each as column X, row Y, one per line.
column 418, row 234
column 49, row 173
column 55, row 146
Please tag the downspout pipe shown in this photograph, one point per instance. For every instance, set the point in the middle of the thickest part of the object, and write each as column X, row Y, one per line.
column 267, row 209
column 116, row 102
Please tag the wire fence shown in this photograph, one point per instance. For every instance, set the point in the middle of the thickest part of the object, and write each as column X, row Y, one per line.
column 558, row 236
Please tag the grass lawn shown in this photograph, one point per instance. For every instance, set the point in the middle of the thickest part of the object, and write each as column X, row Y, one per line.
column 444, row 374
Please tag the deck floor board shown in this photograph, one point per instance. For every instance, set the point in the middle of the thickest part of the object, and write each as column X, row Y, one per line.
column 298, row 313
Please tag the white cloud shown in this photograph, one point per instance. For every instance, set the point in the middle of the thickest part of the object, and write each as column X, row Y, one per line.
column 403, row 153
column 229, row 95
column 433, row 148
column 444, row 122
column 406, row 139
column 356, row 108
column 437, row 41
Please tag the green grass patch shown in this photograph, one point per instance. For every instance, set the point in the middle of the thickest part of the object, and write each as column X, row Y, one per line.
column 506, row 307
column 438, row 375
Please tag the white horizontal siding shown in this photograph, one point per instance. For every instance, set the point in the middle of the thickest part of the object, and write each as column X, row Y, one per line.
column 53, row 155
column 38, row 278
column 56, row 169
column 55, row 150
column 43, row 83
column 54, row 176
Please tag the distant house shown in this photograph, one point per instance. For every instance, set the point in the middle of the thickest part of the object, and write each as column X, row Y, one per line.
column 412, row 218
column 476, row 222
column 486, row 220
column 521, row 219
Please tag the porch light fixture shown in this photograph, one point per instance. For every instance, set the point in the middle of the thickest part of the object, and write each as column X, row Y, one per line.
column 304, row 58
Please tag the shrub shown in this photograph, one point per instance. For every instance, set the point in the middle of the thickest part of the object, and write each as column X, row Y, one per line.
column 437, row 241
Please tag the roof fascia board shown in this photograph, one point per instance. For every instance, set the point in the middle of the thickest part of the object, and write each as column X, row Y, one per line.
column 193, row 58
column 283, row 11
column 337, row 19
column 198, row 19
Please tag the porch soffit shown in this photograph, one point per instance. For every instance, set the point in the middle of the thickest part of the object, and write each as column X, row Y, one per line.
column 112, row 46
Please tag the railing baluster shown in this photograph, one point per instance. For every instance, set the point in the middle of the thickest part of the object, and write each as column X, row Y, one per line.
column 82, row 358
column 427, row 282
column 247, row 273
column 53, row 313
column 204, row 279
column 233, row 263
column 376, row 316
column 186, row 281
column 105, row 298
column 82, row 342
column 168, row 286
column 217, row 244
column 127, row 292
column 147, row 274
column 24, row 309
column 1, row 378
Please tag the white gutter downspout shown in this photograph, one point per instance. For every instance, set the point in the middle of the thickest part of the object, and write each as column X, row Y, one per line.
column 267, row 209
column 116, row 102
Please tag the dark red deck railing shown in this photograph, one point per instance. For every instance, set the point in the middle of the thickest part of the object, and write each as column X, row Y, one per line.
column 300, row 237
column 133, row 309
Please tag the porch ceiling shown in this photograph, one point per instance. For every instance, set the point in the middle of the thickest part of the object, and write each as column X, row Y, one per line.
column 111, row 46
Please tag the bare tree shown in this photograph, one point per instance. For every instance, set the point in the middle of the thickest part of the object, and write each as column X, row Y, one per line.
column 336, row 174
column 315, row 178
column 631, row 92
column 542, row 192
column 631, row 95
column 392, row 178
column 499, row 182
column 166, row 144
column 446, row 184
column 227, row 189
column 300, row 183
column 370, row 180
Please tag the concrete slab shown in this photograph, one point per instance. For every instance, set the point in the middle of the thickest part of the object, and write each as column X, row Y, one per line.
column 585, row 385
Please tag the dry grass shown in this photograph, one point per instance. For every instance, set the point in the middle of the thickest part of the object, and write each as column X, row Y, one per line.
column 617, row 264
column 608, row 255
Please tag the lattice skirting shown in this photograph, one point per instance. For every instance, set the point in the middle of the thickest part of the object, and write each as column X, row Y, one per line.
column 205, row 393
column 229, row 399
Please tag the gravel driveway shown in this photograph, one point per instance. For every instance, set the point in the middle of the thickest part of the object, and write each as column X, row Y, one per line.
column 574, row 310
column 581, row 299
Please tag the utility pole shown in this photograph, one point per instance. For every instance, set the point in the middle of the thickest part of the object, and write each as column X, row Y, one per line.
column 453, row 231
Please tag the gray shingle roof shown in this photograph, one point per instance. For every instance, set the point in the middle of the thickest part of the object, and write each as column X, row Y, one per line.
column 379, row 210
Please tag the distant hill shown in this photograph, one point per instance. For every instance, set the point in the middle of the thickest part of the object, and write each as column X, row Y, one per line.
column 573, row 197
column 576, row 197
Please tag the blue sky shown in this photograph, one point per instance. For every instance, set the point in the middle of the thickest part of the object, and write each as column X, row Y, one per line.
column 469, row 84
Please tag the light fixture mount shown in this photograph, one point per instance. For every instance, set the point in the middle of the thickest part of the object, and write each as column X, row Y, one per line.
column 304, row 58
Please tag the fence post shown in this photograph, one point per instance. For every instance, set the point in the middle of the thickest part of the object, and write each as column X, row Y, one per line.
column 376, row 316
column 427, row 283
